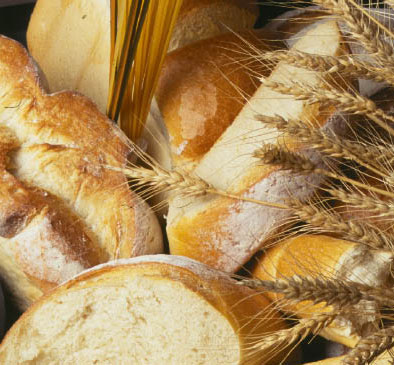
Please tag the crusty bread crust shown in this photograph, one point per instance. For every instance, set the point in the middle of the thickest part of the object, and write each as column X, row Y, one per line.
column 62, row 211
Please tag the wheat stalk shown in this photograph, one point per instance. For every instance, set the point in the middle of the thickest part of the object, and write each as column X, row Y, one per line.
column 377, row 158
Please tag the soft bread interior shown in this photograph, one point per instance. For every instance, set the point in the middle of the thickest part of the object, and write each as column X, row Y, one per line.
column 146, row 320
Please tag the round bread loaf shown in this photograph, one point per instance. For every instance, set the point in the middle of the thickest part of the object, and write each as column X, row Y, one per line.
column 318, row 256
column 61, row 210
column 148, row 310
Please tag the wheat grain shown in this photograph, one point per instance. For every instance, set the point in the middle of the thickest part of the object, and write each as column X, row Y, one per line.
column 345, row 101
column 370, row 347
column 331, row 145
column 323, row 220
column 336, row 292
column 344, row 65
column 365, row 32
column 297, row 333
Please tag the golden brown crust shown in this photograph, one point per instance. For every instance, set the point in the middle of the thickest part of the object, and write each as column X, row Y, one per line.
column 61, row 209
column 203, row 87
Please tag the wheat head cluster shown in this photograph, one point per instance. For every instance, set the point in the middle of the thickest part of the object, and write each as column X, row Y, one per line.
column 358, row 174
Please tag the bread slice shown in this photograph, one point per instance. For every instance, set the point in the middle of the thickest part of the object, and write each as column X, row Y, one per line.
column 61, row 210
column 319, row 256
column 203, row 87
column 225, row 233
column 147, row 310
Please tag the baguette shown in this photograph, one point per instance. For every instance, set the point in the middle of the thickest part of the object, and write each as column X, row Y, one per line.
column 325, row 257
column 61, row 211
column 148, row 310
column 225, row 233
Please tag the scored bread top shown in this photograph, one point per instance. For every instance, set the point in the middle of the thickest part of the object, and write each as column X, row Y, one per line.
column 56, row 148
column 158, row 309
column 203, row 86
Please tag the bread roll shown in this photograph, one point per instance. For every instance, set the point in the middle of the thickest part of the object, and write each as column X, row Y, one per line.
column 203, row 86
column 319, row 256
column 61, row 210
column 70, row 40
column 225, row 233
column 148, row 310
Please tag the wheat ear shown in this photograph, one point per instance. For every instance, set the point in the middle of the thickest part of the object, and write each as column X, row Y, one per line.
column 326, row 221
column 333, row 146
column 297, row 333
column 370, row 347
column 344, row 65
column 274, row 155
column 181, row 183
column 336, row 292
column 373, row 205
column 362, row 30
column 345, row 101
